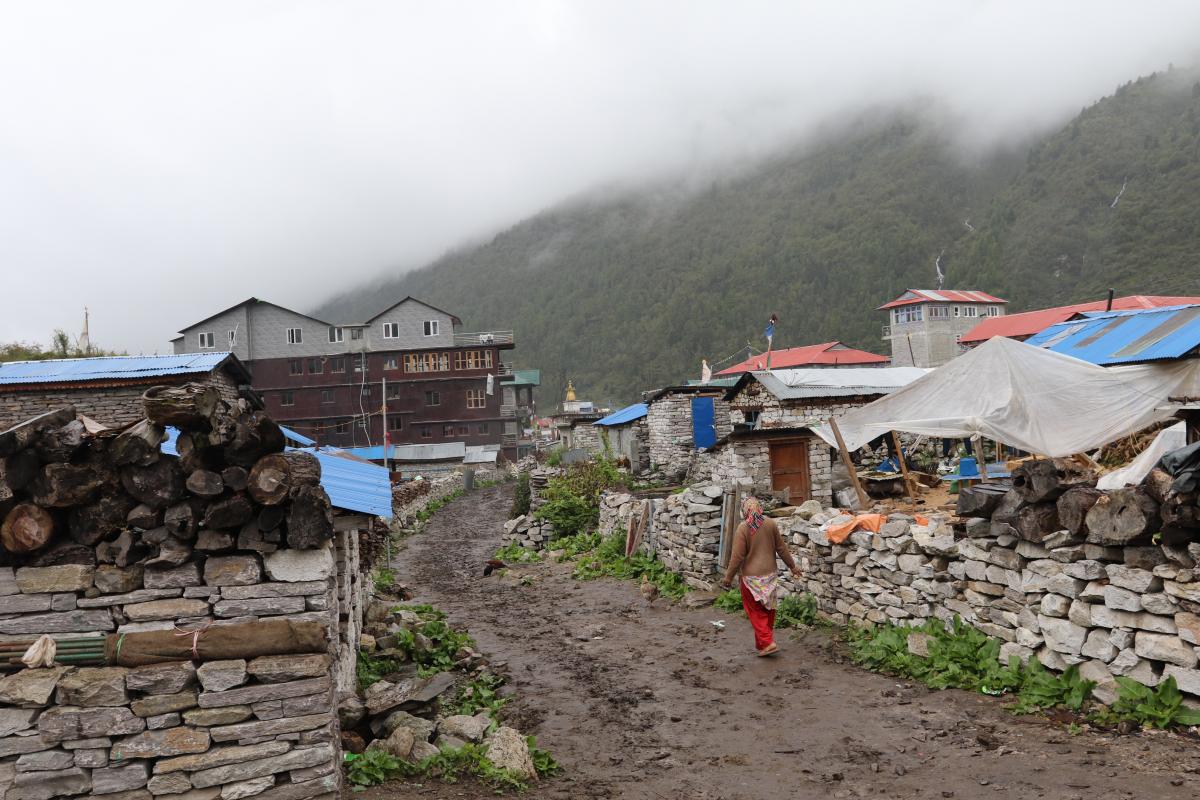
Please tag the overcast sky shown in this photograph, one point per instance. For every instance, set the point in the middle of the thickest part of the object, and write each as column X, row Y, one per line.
column 162, row 160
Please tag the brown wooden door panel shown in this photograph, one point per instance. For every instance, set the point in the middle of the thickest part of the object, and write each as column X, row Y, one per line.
column 789, row 469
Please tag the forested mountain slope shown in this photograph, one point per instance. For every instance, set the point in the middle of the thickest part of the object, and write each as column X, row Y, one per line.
column 624, row 293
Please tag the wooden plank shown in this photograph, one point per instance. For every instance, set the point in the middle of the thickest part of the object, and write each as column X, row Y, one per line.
column 909, row 484
column 858, row 488
column 980, row 457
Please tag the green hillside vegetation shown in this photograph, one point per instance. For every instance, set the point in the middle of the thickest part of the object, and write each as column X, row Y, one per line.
column 628, row 293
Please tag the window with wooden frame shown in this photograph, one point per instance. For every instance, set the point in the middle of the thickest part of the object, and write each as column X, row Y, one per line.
column 287, row 398
column 464, row 430
column 993, row 311
column 476, row 398
column 433, row 398
column 391, row 362
column 337, row 364
column 939, row 312
column 206, row 340
column 473, row 359
column 483, row 428
column 357, row 361
column 970, row 311
column 295, row 367
column 447, row 430
column 295, row 336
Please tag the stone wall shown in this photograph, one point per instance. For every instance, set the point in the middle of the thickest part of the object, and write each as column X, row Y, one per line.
column 669, row 431
column 404, row 514
column 113, row 406
column 746, row 462
column 191, row 729
column 776, row 413
column 1132, row 611
column 586, row 436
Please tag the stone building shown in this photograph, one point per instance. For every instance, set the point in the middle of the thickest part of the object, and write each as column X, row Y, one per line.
column 772, row 447
column 109, row 389
column 924, row 326
column 625, row 435
column 681, row 420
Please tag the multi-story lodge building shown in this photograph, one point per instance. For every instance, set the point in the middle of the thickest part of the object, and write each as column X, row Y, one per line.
column 409, row 367
column 925, row 325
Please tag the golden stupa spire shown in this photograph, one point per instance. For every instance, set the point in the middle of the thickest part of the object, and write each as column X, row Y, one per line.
column 570, row 391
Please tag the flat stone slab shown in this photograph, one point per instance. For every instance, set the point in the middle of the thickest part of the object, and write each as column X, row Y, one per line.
column 220, row 756
column 63, row 622
column 232, row 571
column 137, row 596
column 274, row 727
column 157, row 704
column 161, row 678
column 63, row 578
column 120, row 779
column 93, row 686
column 294, row 759
column 176, row 608
column 30, row 687
column 45, row 785
column 255, row 694
column 277, row 669
column 293, row 566
column 274, row 590
column 217, row 676
column 226, row 715
column 162, row 743
column 15, row 720
column 62, row 723
column 265, row 606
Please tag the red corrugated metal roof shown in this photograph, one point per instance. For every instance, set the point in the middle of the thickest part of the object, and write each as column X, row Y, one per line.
column 1027, row 323
column 827, row 354
column 911, row 296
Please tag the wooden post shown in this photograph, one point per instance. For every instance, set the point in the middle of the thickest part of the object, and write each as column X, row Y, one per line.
column 980, row 456
column 909, row 483
column 862, row 494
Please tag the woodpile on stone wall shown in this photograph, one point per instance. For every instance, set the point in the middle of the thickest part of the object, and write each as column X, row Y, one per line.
column 206, row 609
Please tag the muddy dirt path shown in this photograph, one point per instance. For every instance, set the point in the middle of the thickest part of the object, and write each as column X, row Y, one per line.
column 651, row 701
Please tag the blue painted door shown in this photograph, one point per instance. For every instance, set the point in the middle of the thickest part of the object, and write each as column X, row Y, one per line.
column 704, row 429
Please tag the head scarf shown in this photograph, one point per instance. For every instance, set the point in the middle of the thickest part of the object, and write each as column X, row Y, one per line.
column 753, row 512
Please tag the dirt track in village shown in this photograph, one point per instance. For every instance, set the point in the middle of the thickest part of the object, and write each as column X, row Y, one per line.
column 639, row 701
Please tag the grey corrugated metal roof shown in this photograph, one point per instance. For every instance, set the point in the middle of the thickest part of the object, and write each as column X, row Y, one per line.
column 799, row 384
column 108, row 368
column 443, row 451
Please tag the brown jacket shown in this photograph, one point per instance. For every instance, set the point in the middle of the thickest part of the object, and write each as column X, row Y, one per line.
column 755, row 555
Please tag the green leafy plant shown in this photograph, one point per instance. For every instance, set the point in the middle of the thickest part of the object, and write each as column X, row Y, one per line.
column 521, row 496
column 608, row 560
column 384, row 579
column 574, row 546
column 729, row 601
column 543, row 762
column 481, row 694
column 374, row 767
column 1157, row 707
column 554, row 457
column 1041, row 689
column 796, row 612
column 370, row 669
column 515, row 552
column 573, row 499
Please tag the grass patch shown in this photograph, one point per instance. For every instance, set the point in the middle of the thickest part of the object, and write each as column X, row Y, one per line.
column 522, row 496
column 449, row 765
column 608, row 561
column 435, row 506
column 514, row 552
column 384, row 580
column 481, row 694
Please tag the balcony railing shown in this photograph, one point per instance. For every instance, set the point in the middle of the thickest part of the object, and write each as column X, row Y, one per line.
column 504, row 370
column 483, row 337
column 508, row 411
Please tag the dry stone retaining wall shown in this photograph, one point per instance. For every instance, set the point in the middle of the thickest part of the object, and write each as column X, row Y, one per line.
column 1132, row 611
column 191, row 729
column 407, row 503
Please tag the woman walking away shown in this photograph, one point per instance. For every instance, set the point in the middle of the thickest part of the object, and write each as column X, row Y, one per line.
column 755, row 544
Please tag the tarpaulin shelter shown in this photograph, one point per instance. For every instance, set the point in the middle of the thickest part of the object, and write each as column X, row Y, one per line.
column 1025, row 397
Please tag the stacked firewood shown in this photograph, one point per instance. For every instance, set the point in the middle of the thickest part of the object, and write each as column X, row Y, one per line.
column 72, row 492
column 1059, row 496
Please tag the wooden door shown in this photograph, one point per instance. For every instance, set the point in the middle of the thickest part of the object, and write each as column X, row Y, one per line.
column 789, row 469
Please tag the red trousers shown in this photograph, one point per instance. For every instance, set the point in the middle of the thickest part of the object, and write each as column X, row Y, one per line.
column 762, row 619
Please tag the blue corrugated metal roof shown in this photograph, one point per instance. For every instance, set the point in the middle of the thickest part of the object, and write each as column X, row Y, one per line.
column 297, row 438
column 1125, row 337
column 351, row 484
column 627, row 414
column 68, row 370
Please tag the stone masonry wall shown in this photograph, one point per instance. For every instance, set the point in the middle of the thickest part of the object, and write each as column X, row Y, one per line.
column 194, row 729
column 1132, row 611
column 747, row 463
column 404, row 516
column 669, row 423
column 113, row 406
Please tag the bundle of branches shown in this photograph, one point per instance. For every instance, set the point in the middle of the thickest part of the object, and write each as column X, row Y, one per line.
column 1121, row 452
column 70, row 495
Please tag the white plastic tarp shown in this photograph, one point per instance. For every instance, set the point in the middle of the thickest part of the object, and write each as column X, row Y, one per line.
column 1025, row 397
column 1131, row 474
